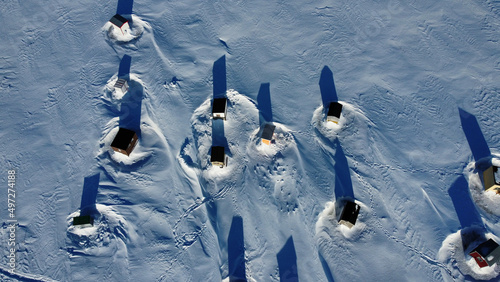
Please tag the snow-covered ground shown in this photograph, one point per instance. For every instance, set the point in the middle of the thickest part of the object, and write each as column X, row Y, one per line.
column 420, row 89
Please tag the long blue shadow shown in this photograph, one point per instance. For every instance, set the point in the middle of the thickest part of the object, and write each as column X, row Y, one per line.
column 218, row 137
column 236, row 251
column 343, row 183
column 130, row 112
column 466, row 210
column 124, row 69
column 474, row 135
column 264, row 104
column 89, row 195
column 326, row 268
column 287, row 262
column 125, row 7
column 327, row 88
column 219, row 77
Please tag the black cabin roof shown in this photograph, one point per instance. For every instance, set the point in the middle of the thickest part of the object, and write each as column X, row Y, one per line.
column 217, row 154
column 118, row 20
column 486, row 248
column 84, row 219
column 268, row 131
column 335, row 109
column 123, row 138
column 350, row 212
column 219, row 105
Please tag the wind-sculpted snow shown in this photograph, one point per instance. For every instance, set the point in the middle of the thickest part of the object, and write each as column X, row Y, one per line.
column 418, row 81
column 107, row 240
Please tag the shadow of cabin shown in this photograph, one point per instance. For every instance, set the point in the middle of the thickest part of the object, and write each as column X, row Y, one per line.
column 470, row 220
column 474, row 135
column 124, row 68
column 125, row 7
column 219, row 78
column 131, row 108
column 327, row 88
column 287, row 262
column 89, row 195
column 264, row 104
column 343, row 183
column 236, row 251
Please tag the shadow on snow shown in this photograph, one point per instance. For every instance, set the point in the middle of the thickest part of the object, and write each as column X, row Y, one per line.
column 219, row 78
column 236, row 251
column 287, row 262
column 327, row 88
column 89, row 195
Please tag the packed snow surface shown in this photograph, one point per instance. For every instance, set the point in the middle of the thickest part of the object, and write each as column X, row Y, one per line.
column 420, row 89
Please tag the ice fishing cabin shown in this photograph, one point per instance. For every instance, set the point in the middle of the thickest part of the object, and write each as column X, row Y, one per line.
column 122, row 85
column 349, row 214
column 125, row 141
column 218, row 156
column 491, row 181
column 334, row 111
column 83, row 221
column 120, row 22
column 219, row 108
column 486, row 254
column 267, row 134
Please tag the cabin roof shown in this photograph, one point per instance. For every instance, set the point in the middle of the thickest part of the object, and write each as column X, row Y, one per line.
column 335, row 109
column 350, row 212
column 120, row 82
column 217, row 154
column 123, row 138
column 486, row 248
column 219, row 105
column 118, row 20
column 84, row 219
column 268, row 131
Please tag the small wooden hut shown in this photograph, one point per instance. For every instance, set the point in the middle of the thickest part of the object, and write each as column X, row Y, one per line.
column 349, row 214
column 125, row 141
column 219, row 108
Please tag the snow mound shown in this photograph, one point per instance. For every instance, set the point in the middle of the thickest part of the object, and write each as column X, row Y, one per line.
column 349, row 122
column 115, row 35
column 282, row 141
column 276, row 170
column 453, row 254
column 489, row 201
column 137, row 155
column 132, row 109
column 107, row 237
column 241, row 120
column 327, row 226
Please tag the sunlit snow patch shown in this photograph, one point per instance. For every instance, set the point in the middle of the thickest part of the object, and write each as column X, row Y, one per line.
column 458, row 260
column 114, row 34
